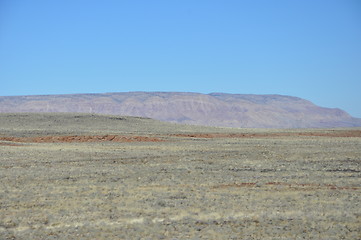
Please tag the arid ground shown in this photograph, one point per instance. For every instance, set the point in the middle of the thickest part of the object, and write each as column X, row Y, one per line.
column 83, row 176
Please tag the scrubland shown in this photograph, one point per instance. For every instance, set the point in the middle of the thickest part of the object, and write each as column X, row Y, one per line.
column 79, row 176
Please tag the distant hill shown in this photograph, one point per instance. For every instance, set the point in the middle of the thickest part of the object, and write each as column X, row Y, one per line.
column 214, row 109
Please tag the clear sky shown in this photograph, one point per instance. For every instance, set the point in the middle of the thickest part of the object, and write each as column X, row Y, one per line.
column 309, row 49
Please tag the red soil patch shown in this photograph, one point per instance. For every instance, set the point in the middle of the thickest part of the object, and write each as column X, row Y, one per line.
column 70, row 139
column 335, row 133
column 306, row 186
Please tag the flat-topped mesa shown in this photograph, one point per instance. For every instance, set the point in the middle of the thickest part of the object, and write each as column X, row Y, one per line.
column 214, row 109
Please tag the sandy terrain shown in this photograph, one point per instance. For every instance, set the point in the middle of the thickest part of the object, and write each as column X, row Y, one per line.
column 71, row 176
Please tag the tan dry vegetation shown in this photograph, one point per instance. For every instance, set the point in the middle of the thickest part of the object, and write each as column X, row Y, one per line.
column 330, row 133
column 196, row 183
column 89, row 138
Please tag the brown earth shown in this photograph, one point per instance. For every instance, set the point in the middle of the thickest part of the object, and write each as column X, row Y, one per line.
column 124, row 138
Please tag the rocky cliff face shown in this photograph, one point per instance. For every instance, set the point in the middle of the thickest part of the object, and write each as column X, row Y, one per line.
column 215, row 109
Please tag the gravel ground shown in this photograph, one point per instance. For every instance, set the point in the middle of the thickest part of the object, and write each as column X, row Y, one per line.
column 196, row 183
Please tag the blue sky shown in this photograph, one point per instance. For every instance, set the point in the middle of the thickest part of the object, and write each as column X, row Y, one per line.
column 309, row 49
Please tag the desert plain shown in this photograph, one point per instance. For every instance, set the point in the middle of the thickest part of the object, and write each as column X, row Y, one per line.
column 86, row 176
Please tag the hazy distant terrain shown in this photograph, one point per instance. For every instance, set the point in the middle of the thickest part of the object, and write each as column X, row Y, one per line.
column 88, row 176
column 215, row 109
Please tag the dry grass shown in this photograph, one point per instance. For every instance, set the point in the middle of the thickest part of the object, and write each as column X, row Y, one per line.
column 274, row 184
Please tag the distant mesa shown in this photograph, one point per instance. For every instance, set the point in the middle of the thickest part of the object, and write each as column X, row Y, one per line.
column 214, row 109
